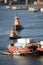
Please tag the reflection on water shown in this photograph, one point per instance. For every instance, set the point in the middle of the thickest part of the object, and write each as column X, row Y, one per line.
column 21, row 60
column 41, row 59
column 27, row 60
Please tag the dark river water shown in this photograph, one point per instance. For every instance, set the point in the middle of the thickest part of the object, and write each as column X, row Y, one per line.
column 33, row 28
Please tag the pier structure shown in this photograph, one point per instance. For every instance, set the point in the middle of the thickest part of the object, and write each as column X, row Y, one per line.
column 26, row 2
column 22, row 1
column 17, row 1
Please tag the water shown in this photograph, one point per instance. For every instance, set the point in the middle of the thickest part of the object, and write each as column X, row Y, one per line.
column 33, row 24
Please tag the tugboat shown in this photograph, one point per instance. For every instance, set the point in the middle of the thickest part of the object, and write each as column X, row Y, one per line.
column 22, row 47
column 17, row 25
column 25, row 46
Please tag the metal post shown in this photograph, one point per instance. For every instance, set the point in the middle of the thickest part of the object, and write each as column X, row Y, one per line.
column 26, row 2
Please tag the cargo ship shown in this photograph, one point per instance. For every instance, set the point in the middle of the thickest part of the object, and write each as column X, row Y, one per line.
column 25, row 46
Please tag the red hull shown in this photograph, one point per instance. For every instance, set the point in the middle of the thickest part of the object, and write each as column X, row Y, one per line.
column 27, row 49
column 15, row 49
